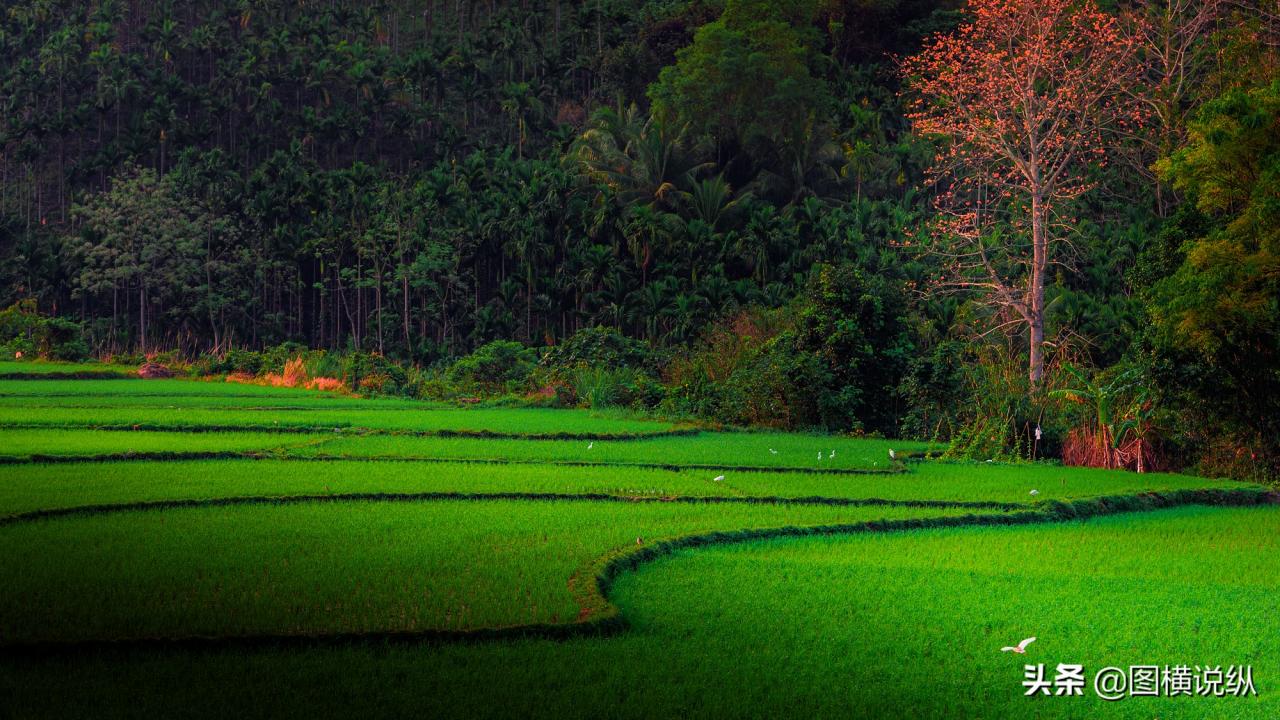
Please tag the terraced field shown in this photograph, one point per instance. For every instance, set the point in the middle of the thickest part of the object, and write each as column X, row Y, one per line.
column 189, row 548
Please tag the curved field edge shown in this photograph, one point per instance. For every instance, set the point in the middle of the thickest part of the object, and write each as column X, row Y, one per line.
column 599, row 616
column 250, row 500
column 287, row 453
column 348, row 429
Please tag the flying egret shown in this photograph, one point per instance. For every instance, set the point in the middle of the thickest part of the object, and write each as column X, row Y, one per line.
column 717, row 478
column 1020, row 648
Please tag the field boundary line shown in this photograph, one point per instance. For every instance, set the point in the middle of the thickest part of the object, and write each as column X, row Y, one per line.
column 599, row 616
column 448, row 496
column 285, row 454
column 74, row 375
column 342, row 429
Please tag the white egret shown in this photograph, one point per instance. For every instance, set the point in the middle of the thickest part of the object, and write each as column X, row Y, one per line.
column 1020, row 648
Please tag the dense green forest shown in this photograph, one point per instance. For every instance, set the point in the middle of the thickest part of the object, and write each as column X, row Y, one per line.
column 749, row 194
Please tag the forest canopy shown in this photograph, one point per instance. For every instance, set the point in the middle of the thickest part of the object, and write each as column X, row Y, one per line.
column 802, row 210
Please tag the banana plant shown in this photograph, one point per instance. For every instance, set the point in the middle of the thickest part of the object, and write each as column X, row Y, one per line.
column 1121, row 406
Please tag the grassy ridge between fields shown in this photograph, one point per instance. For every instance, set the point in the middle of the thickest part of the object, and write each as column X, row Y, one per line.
column 62, row 486
column 675, row 450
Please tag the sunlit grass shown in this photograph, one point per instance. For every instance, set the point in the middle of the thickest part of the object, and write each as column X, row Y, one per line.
column 515, row 421
column 904, row 624
column 346, row 567
column 867, row 626
column 39, row 391
column 711, row 449
column 47, row 367
column 72, row 443
column 725, row 449
column 24, row 488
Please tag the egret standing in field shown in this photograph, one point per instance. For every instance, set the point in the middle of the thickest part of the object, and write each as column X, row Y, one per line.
column 772, row 451
column 892, row 454
column 718, row 478
column 591, row 444
column 1034, row 491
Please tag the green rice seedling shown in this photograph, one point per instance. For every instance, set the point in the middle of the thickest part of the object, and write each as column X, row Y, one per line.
column 37, row 368
column 866, row 626
column 510, row 421
column 338, row 567
column 34, row 487
column 710, row 449
column 47, row 443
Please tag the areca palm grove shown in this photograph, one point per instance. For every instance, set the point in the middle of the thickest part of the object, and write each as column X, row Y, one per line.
column 417, row 179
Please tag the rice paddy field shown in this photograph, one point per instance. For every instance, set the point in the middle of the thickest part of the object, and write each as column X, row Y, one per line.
column 200, row 548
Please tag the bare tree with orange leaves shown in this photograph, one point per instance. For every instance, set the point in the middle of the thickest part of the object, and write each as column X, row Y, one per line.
column 1024, row 99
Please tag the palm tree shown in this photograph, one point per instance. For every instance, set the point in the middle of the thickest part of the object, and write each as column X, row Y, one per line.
column 644, row 162
column 711, row 201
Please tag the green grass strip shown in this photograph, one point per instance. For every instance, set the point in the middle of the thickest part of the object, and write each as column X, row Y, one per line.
column 347, row 429
column 599, row 616
column 153, row 505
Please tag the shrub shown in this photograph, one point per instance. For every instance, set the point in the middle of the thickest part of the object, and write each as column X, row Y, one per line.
column 933, row 392
column 598, row 388
column 853, row 322
column 373, row 373
column 751, row 372
column 499, row 367
column 599, row 347
column 23, row 329
column 833, row 359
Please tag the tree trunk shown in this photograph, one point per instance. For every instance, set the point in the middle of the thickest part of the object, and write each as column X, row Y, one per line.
column 142, row 317
column 408, row 345
column 1039, row 264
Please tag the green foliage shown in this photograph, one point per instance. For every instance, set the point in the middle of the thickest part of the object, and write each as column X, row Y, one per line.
column 1215, row 334
column 933, row 391
column 747, row 372
column 501, row 366
column 409, row 181
column 832, row 360
column 599, row 388
column 600, row 347
column 997, row 415
column 749, row 77
column 24, row 330
column 853, row 322
column 373, row 373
